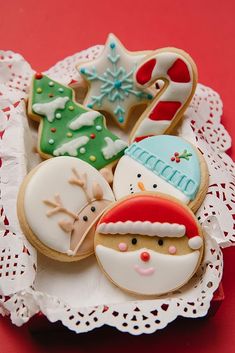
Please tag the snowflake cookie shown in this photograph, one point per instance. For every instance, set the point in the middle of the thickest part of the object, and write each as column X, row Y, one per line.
column 111, row 83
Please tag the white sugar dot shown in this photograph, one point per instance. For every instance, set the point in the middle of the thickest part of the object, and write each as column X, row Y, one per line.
column 61, row 90
column 58, row 116
column 51, row 141
column 51, row 84
column 82, row 150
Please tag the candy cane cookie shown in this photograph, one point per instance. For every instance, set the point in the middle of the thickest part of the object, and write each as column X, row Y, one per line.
column 179, row 73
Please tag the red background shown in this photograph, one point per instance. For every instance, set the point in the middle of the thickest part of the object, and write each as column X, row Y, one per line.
column 47, row 31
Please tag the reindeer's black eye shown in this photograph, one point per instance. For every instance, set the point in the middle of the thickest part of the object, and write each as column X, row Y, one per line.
column 93, row 208
column 160, row 242
column 85, row 218
column 134, row 241
column 154, row 186
column 138, row 175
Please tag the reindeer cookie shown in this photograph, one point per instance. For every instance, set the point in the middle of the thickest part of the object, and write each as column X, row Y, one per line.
column 59, row 203
column 166, row 164
column 149, row 244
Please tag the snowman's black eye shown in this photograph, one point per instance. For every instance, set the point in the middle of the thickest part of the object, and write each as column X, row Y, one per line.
column 160, row 242
column 93, row 208
column 134, row 241
column 85, row 218
column 154, row 186
column 138, row 175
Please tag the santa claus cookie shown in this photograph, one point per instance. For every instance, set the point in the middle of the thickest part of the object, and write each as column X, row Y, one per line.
column 164, row 163
column 149, row 244
column 59, row 204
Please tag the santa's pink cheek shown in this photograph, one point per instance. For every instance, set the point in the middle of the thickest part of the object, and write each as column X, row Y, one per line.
column 122, row 246
column 172, row 250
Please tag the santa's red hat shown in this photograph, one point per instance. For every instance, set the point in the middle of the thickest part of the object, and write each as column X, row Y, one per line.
column 153, row 215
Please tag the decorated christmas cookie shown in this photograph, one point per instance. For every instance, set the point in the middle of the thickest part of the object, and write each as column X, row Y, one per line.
column 69, row 129
column 59, row 203
column 178, row 73
column 149, row 244
column 164, row 163
column 111, row 82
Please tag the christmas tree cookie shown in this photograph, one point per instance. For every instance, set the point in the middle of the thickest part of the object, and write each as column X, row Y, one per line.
column 69, row 129
column 111, row 82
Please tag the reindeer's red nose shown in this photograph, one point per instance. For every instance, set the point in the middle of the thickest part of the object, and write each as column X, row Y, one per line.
column 145, row 256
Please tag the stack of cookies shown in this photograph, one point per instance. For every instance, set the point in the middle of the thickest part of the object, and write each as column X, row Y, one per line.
column 132, row 200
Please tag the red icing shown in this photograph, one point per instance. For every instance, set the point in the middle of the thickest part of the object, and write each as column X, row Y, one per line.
column 145, row 256
column 152, row 208
column 140, row 138
column 164, row 110
column 38, row 75
column 144, row 73
column 178, row 72
column 92, row 136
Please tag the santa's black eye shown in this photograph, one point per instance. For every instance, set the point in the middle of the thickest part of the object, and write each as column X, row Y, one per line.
column 85, row 218
column 154, row 186
column 93, row 209
column 138, row 175
column 134, row 241
column 160, row 242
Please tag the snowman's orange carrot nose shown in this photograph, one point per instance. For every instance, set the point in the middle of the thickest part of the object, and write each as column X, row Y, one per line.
column 141, row 186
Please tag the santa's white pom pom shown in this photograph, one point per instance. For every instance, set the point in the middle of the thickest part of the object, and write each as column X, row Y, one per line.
column 195, row 242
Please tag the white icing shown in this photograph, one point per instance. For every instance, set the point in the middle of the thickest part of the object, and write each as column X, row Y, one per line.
column 48, row 109
column 112, row 148
column 85, row 119
column 51, row 178
column 125, row 180
column 144, row 228
column 195, row 242
column 152, row 127
column 71, row 147
column 175, row 91
column 127, row 61
column 161, row 274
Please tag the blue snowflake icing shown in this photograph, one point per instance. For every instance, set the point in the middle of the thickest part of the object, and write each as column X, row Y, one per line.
column 117, row 84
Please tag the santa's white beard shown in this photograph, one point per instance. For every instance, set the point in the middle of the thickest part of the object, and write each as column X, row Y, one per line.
column 161, row 274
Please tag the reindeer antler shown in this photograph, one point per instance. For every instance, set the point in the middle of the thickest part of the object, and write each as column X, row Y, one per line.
column 58, row 207
column 80, row 181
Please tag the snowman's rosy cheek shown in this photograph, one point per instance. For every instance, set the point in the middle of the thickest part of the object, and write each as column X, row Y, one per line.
column 172, row 250
column 122, row 246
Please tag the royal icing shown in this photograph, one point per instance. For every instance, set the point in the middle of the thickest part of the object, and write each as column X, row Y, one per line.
column 63, row 200
column 68, row 128
column 167, row 164
column 112, row 148
column 162, row 274
column 178, row 71
column 147, row 269
column 111, row 84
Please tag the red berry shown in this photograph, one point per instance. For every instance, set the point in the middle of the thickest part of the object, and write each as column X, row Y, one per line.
column 38, row 75
column 177, row 160
column 172, row 159
column 176, row 154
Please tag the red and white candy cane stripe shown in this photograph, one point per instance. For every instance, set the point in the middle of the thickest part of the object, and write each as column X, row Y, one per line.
column 179, row 74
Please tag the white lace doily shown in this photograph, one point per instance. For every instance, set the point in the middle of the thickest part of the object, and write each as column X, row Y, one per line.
column 25, row 281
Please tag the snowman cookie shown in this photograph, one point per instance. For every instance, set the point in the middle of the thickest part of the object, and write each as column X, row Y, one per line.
column 59, row 204
column 149, row 244
column 164, row 163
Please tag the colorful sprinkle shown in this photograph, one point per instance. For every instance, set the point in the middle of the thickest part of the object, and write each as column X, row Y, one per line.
column 58, row 116
column 51, row 141
column 61, row 90
column 92, row 158
column 39, row 90
column 98, row 127
column 92, row 136
column 112, row 45
column 121, row 119
column 83, row 71
column 50, row 95
column 53, row 129
column 89, row 105
column 69, row 134
column 51, row 84
column 38, row 76
column 71, row 107
column 82, row 150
